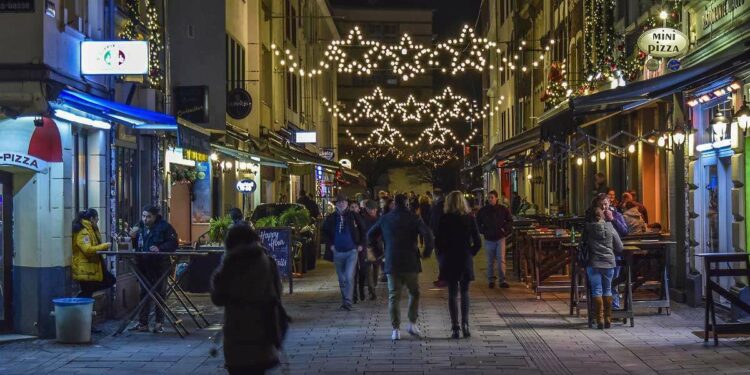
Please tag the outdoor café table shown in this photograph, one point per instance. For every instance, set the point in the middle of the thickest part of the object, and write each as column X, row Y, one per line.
column 576, row 284
column 525, row 251
column 151, row 293
column 638, row 253
column 547, row 258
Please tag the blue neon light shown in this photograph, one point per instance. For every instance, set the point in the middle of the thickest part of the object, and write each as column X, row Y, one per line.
column 118, row 112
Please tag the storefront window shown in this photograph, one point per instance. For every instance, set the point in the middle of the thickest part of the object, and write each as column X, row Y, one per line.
column 80, row 170
column 127, row 187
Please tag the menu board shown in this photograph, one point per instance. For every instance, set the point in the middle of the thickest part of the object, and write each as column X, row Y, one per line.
column 278, row 242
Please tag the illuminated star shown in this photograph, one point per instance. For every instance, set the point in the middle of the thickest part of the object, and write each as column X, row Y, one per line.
column 437, row 133
column 386, row 134
column 411, row 110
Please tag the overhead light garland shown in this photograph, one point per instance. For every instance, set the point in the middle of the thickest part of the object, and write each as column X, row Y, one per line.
column 434, row 158
column 407, row 59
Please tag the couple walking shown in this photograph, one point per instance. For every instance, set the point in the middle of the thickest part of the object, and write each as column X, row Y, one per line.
column 457, row 242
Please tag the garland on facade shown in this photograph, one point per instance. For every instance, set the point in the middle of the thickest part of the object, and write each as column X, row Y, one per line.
column 557, row 87
column 156, row 44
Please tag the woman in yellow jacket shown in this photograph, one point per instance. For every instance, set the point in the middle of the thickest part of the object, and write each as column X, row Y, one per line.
column 88, row 268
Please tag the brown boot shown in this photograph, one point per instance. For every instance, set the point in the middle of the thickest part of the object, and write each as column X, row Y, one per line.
column 599, row 312
column 607, row 300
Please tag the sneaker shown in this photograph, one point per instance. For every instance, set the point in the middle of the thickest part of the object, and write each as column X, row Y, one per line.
column 414, row 330
column 140, row 327
column 396, row 335
column 158, row 328
column 504, row 285
column 345, row 308
column 439, row 284
column 491, row 285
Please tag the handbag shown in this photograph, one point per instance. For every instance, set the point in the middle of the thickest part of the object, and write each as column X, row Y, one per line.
column 582, row 253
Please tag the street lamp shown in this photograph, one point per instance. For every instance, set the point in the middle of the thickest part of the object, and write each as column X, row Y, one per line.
column 631, row 148
column 742, row 116
column 603, row 155
column 678, row 135
column 579, row 161
column 593, row 158
column 719, row 126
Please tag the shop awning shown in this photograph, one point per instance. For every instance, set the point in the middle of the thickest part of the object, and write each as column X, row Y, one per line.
column 356, row 175
column 90, row 105
column 250, row 157
column 566, row 117
column 294, row 156
column 513, row 146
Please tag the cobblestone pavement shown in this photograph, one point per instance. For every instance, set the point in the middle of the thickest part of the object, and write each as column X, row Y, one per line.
column 512, row 333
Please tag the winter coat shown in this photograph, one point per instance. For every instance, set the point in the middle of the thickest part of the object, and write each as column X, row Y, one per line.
column 495, row 222
column 399, row 229
column 247, row 284
column 87, row 264
column 161, row 235
column 377, row 243
column 619, row 223
column 354, row 224
column 634, row 220
column 457, row 240
column 425, row 212
column 436, row 213
column 603, row 243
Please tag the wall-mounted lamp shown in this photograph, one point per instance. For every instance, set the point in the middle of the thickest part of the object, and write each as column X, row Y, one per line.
column 678, row 135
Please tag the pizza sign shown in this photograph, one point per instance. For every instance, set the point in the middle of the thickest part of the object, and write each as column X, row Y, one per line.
column 24, row 161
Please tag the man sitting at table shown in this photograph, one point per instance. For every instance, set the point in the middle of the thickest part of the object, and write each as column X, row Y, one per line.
column 154, row 235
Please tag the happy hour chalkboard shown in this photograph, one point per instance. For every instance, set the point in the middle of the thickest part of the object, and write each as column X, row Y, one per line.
column 278, row 242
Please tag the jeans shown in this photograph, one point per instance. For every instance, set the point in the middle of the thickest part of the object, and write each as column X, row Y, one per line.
column 396, row 282
column 362, row 277
column 453, row 290
column 495, row 252
column 346, row 263
column 600, row 280
column 152, row 272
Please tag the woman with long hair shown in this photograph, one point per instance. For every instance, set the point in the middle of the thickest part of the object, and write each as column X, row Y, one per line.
column 87, row 266
column 457, row 242
column 603, row 243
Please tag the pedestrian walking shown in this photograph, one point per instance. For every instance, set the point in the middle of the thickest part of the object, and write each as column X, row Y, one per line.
column 425, row 211
column 254, row 318
column 399, row 229
column 603, row 243
column 87, row 266
column 457, row 240
column 374, row 256
column 436, row 212
column 360, row 270
column 495, row 223
column 154, row 235
column 344, row 233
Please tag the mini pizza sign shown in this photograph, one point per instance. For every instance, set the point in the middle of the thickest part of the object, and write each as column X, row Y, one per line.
column 22, row 160
column 663, row 42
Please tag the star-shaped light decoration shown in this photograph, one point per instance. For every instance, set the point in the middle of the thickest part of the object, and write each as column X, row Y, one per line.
column 411, row 109
column 437, row 133
column 386, row 134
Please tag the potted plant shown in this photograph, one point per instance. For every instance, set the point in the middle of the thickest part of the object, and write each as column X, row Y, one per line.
column 218, row 228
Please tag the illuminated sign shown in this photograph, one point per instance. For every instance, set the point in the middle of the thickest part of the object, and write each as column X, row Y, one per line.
column 305, row 137
column 346, row 163
column 246, row 186
column 114, row 57
column 22, row 160
column 663, row 42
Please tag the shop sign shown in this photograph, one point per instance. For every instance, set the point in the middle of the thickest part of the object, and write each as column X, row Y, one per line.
column 277, row 241
column 246, row 186
column 191, row 103
column 17, row 6
column 24, row 161
column 346, row 163
column 305, row 137
column 239, row 103
column 189, row 154
column 122, row 57
column 193, row 140
column 674, row 65
column 327, row 153
column 663, row 42
column 718, row 13
column 652, row 64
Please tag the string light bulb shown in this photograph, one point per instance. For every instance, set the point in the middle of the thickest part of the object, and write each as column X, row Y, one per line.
column 631, row 148
column 602, row 155
column 579, row 161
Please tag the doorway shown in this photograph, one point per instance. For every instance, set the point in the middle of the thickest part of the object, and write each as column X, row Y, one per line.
column 6, row 250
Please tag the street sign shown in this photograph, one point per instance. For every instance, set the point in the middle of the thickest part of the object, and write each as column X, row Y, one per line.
column 239, row 103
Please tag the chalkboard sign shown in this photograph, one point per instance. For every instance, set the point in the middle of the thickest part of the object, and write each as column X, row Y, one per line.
column 278, row 241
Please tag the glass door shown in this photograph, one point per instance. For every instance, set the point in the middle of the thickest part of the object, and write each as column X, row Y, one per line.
column 6, row 250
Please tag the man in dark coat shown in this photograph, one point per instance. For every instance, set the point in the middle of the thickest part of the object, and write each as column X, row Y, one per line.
column 495, row 223
column 154, row 235
column 375, row 249
column 399, row 229
column 250, row 343
column 309, row 203
column 436, row 212
column 344, row 233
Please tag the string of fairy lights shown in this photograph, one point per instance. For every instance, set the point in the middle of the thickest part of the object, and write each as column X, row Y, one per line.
column 406, row 59
column 433, row 158
column 383, row 110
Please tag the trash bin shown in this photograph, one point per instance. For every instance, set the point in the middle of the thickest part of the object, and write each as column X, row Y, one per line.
column 73, row 319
